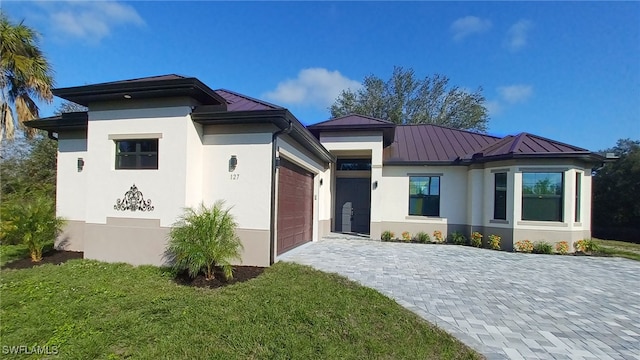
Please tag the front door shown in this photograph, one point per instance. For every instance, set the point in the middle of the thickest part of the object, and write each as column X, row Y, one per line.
column 353, row 205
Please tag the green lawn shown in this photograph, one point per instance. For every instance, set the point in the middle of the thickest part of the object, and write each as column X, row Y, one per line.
column 619, row 248
column 94, row 310
column 9, row 253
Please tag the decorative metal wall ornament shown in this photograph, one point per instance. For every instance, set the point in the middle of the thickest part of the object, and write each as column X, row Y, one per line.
column 133, row 200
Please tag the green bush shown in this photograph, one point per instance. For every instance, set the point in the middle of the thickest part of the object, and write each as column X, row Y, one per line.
column 203, row 239
column 387, row 235
column 458, row 239
column 30, row 220
column 422, row 237
column 476, row 239
column 542, row 247
column 586, row 246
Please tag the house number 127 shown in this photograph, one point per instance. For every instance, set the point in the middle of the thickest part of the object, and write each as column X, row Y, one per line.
column 235, row 176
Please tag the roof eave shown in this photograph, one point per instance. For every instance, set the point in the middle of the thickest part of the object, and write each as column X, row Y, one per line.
column 190, row 87
column 66, row 121
column 278, row 117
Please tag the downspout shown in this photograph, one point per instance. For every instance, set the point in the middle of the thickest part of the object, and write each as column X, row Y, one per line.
column 274, row 165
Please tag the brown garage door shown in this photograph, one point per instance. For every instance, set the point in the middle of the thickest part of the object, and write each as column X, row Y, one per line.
column 295, row 206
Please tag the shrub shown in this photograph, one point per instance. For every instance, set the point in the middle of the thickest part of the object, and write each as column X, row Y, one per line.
column 524, row 246
column 422, row 237
column 542, row 247
column 586, row 246
column 476, row 239
column 204, row 238
column 31, row 220
column 437, row 236
column 458, row 239
column 387, row 235
column 406, row 236
column 494, row 242
column 562, row 247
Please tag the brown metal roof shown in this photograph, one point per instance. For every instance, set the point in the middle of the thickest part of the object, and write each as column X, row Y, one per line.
column 240, row 102
column 148, row 78
column 351, row 120
column 428, row 143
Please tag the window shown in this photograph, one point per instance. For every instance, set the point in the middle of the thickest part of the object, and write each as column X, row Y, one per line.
column 500, row 197
column 542, row 196
column 353, row 164
column 137, row 154
column 424, row 195
column 578, row 191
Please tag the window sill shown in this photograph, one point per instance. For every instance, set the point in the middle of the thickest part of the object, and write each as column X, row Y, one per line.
column 543, row 223
column 425, row 218
column 577, row 224
column 498, row 221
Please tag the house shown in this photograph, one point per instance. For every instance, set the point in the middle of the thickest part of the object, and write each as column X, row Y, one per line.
column 149, row 147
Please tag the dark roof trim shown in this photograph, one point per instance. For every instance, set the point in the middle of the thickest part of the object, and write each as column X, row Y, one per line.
column 585, row 156
column 142, row 89
column 279, row 117
column 66, row 121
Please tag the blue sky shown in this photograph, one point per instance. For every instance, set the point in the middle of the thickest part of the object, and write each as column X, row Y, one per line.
column 568, row 71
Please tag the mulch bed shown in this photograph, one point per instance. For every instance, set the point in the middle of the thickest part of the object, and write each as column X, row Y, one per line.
column 55, row 257
column 240, row 274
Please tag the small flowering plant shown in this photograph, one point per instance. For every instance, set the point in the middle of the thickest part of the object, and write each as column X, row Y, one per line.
column 494, row 242
column 406, row 236
column 476, row 239
column 586, row 246
column 387, row 235
column 437, row 236
column 524, row 246
column 562, row 247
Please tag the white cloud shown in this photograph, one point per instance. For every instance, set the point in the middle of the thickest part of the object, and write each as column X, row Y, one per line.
column 468, row 25
column 513, row 94
column 494, row 107
column 314, row 86
column 517, row 34
column 89, row 20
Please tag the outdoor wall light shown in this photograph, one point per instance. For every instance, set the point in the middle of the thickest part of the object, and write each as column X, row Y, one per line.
column 320, row 182
column 127, row 96
column 233, row 162
column 375, row 184
column 80, row 164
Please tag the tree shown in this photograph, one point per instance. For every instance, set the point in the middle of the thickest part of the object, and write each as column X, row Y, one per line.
column 616, row 188
column 405, row 99
column 25, row 76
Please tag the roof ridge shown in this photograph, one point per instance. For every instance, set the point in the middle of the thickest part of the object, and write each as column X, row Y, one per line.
column 143, row 78
column 454, row 129
column 355, row 114
column 251, row 98
column 516, row 142
column 555, row 141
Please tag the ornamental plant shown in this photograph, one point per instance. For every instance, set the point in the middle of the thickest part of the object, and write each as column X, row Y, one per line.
column 387, row 235
column 422, row 237
column 437, row 236
column 542, row 247
column 494, row 242
column 31, row 221
column 476, row 239
column 524, row 246
column 586, row 246
column 562, row 247
column 203, row 239
column 458, row 239
column 406, row 236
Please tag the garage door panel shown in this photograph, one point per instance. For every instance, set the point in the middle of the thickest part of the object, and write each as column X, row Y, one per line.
column 295, row 206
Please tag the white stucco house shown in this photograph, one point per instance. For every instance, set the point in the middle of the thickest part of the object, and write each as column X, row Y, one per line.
column 146, row 148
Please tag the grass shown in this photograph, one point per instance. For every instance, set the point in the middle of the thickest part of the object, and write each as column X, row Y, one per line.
column 94, row 310
column 619, row 248
column 10, row 253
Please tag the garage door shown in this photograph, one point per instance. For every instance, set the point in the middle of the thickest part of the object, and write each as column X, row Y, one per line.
column 295, row 206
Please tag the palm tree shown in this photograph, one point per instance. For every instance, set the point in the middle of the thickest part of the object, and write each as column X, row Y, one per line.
column 25, row 76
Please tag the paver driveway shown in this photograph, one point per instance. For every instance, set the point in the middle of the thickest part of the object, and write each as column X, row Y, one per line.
column 504, row 305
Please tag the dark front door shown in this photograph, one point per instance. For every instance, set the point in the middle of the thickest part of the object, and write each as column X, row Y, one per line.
column 353, row 205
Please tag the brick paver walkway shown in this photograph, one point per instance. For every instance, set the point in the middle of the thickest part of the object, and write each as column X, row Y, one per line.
column 504, row 305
